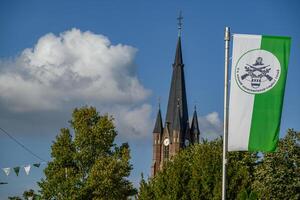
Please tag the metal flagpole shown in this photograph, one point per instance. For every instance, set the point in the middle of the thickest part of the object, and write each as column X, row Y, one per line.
column 226, row 39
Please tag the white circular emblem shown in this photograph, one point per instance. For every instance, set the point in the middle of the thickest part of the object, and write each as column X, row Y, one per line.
column 257, row 71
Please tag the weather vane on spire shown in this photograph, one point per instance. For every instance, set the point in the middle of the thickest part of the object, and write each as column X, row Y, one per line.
column 179, row 18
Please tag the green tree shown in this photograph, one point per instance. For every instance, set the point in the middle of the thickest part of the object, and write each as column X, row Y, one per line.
column 146, row 190
column 106, row 180
column 62, row 174
column 196, row 173
column 240, row 170
column 91, row 166
column 278, row 174
column 14, row 198
column 30, row 195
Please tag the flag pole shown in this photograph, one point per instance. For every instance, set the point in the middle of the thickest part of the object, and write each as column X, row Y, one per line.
column 225, row 133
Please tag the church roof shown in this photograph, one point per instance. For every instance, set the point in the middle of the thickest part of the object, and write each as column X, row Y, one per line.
column 177, row 93
column 158, row 128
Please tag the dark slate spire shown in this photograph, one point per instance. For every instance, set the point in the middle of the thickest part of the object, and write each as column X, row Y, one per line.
column 178, row 56
column 195, row 132
column 158, row 128
column 177, row 90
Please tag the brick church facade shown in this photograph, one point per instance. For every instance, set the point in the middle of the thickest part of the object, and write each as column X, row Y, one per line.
column 176, row 133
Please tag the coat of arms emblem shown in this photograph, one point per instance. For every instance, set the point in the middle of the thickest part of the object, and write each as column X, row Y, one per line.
column 257, row 71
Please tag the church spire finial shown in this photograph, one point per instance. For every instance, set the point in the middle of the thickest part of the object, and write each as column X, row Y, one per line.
column 179, row 18
column 195, row 105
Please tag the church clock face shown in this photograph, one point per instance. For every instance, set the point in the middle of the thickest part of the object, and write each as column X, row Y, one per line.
column 187, row 143
column 166, row 142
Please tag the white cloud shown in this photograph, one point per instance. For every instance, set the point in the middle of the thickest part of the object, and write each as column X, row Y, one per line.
column 211, row 126
column 133, row 121
column 77, row 66
column 73, row 65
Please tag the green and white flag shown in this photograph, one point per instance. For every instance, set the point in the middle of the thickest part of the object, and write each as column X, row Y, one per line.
column 258, row 77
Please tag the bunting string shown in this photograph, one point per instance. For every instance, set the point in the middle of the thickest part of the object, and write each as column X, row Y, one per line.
column 26, row 168
column 22, row 145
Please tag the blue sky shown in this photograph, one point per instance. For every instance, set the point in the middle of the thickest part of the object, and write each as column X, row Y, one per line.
column 142, row 32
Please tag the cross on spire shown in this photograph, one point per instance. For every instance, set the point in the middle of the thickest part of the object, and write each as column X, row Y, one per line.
column 179, row 18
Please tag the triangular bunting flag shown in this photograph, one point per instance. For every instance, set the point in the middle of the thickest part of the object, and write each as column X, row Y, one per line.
column 6, row 170
column 37, row 165
column 27, row 169
column 17, row 170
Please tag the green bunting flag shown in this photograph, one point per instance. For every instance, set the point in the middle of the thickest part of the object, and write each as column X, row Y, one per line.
column 37, row 165
column 17, row 170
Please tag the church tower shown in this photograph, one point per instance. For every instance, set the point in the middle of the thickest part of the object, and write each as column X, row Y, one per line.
column 176, row 133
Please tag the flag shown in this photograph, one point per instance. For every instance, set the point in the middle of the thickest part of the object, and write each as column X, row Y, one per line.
column 258, row 77
column 17, row 170
column 27, row 169
column 6, row 170
column 37, row 165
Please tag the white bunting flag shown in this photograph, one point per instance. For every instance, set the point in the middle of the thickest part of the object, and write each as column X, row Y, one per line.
column 6, row 170
column 27, row 169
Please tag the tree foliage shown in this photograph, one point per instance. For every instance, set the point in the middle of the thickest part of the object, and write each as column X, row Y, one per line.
column 14, row 198
column 30, row 194
column 90, row 166
column 278, row 174
column 27, row 195
column 196, row 173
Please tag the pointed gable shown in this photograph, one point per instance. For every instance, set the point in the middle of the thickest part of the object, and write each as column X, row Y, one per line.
column 195, row 132
column 158, row 128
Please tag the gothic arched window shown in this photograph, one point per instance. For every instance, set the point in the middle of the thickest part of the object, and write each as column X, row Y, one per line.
column 166, row 152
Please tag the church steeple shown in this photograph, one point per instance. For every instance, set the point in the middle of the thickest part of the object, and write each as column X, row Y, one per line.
column 176, row 134
column 177, row 93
